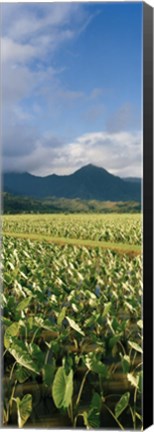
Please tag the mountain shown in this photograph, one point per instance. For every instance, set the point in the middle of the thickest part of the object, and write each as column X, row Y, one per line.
column 89, row 182
column 133, row 179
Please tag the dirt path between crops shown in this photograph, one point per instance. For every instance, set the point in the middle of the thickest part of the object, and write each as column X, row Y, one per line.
column 122, row 248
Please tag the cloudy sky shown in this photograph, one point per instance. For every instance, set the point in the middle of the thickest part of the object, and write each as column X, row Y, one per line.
column 71, row 87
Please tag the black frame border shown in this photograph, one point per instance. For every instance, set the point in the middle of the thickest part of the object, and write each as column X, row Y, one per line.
column 147, row 215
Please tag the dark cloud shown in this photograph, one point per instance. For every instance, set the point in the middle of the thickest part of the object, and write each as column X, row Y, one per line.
column 18, row 141
column 53, row 142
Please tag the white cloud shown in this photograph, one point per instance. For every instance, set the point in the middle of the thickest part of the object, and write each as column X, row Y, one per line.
column 119, row 153
column 16, row 83
column 38, row 30
column 30, row 37
column 21, row 21
column 16, row 52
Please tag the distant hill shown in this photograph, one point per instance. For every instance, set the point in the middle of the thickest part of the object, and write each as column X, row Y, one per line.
column 87, row 183
column 13, row 204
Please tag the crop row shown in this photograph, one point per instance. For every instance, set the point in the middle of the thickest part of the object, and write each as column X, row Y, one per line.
column 71, row 317
column 113, row 228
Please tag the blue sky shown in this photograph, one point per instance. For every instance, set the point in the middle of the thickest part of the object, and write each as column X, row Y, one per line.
column 71, row 83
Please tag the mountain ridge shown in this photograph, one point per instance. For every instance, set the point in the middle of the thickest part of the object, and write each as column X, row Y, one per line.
column 88, row 182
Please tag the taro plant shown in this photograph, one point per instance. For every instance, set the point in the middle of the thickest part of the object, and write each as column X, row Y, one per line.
column 62, row 393
column 24, row 409
column 72, row 322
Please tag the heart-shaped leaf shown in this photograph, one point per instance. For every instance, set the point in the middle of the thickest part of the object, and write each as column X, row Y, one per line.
column 24, row 409
column 19, row 351
column 10, row 332
column 62, row 388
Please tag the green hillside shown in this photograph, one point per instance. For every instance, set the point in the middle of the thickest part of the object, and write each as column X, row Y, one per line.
column 16, row 204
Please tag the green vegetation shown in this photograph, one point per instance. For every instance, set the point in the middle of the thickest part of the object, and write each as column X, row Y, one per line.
column 72, row 322
column 16, row 204
column 119, row 247
column 100, row 228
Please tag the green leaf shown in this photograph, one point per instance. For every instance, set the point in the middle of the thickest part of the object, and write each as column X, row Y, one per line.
column 22, row 374
column 23, row 275
column 6, row 321
column 126, row 363
column 96, row 365
column 45, row 324
column 135, row 346
column 91, row 419
column 24, row 409
column 48, row 372
column 11, row 265
column 133, row 380
column 122, row 404
column 37, row 355
column 21, row 354
column 10, row 332
column 23, row 304
column 62, row 388
column 140, row 324
column 96, row 401
column 115, row 324
column 94, row 418
column 107, row 307
column 61, row 316
column 58, row 388
column 74, row 326
column 74, row 307
column 8, row 278
column 114, row 339
column 129, row 306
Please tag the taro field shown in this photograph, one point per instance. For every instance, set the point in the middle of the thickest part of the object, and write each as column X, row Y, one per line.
column 72, row 321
